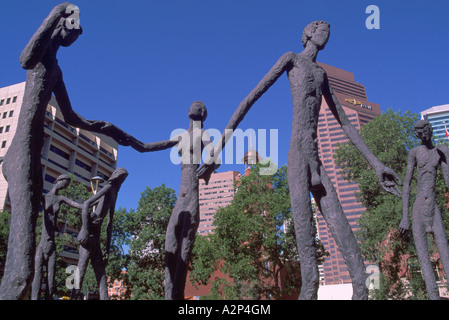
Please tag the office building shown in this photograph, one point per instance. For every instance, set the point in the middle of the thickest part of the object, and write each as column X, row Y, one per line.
column 438, row 117
column 66, row 149
column 352, row 97
column 218, row 193
column 221, row 190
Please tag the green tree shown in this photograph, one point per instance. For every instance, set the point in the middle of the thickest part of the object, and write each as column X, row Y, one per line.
column 4, row 234
column 249, row 243
column 390, row 137
column 147, row 227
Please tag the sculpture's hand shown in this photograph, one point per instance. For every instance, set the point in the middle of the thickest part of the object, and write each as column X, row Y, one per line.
column 83, row 237
column 389, row 181
column 112, row 131
column 404, row 225
column 205, row 171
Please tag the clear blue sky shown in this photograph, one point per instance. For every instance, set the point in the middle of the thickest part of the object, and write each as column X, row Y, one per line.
column 140, row 64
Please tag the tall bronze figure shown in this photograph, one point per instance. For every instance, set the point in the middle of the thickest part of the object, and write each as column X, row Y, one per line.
column 185, row 219
column 22, row 162
column 309, row 84
column 426, row 215
column 46, row 250
column 89, row 236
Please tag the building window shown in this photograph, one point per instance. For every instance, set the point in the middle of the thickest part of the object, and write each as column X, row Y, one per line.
column 49, row 178
column 4, row 115
column 6, row 129
column 3, row 144
column 1, row 129
column 2, row 102
column 14, row 99
column 83, row 165
column 8, row 100
column 11, row 113
column 60, row 152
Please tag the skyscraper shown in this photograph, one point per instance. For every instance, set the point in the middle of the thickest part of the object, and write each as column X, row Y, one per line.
column 438, row 117
column 352, row 97
column 218, row 193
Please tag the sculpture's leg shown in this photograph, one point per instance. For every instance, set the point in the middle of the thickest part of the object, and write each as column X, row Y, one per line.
column 99, row 267
column 37, row 281
column 298, row 181
column 420, row 238
column 25, row 191
column 51, row 275
column 332, row 212
column 171, row 254
column 441, row 241
column 83, row 261
column 189, row 227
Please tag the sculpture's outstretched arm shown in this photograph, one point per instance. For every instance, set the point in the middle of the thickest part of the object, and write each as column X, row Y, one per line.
column 74, row 119
column 444, row 153
column 38, row 44
column 387, row 177
column 71, row 203
column 83, row 235
column 281, row 66
column 268, row 80
column 154, row 146
column 411, row 163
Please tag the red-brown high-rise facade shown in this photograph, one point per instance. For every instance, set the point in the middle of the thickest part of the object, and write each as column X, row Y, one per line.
column 352, row 96
column 218, row 193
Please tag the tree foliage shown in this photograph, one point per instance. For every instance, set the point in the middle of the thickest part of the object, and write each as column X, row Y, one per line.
column 146, row 228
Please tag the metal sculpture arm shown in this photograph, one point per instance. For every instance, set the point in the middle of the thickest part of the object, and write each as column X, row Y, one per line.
column 74, row 119
column 71, row 203
column 281, row 66
column 387, row 177
column 404, row 225
column 444, row 153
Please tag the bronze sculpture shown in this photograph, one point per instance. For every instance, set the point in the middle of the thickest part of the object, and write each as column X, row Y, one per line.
column 308, row 84
column 46, row 250
column 426, row 215
column 185, row 219
column 89, row 235
column 22, row 162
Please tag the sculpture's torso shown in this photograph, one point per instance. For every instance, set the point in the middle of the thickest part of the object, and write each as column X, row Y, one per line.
column 306, row 83
column 427, row 161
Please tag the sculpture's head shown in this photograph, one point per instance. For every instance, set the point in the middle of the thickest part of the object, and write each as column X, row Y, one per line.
column 423, row 130
column 62, row 181
column 198, row 111
column 69, row 29
column 317, row 32
column 118, row 176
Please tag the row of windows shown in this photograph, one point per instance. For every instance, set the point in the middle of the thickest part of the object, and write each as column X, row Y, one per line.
column 5, row 114
column 5, row 128
column 215, row 192
column 8, row 100
column 217, row 181
column 78, row 162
